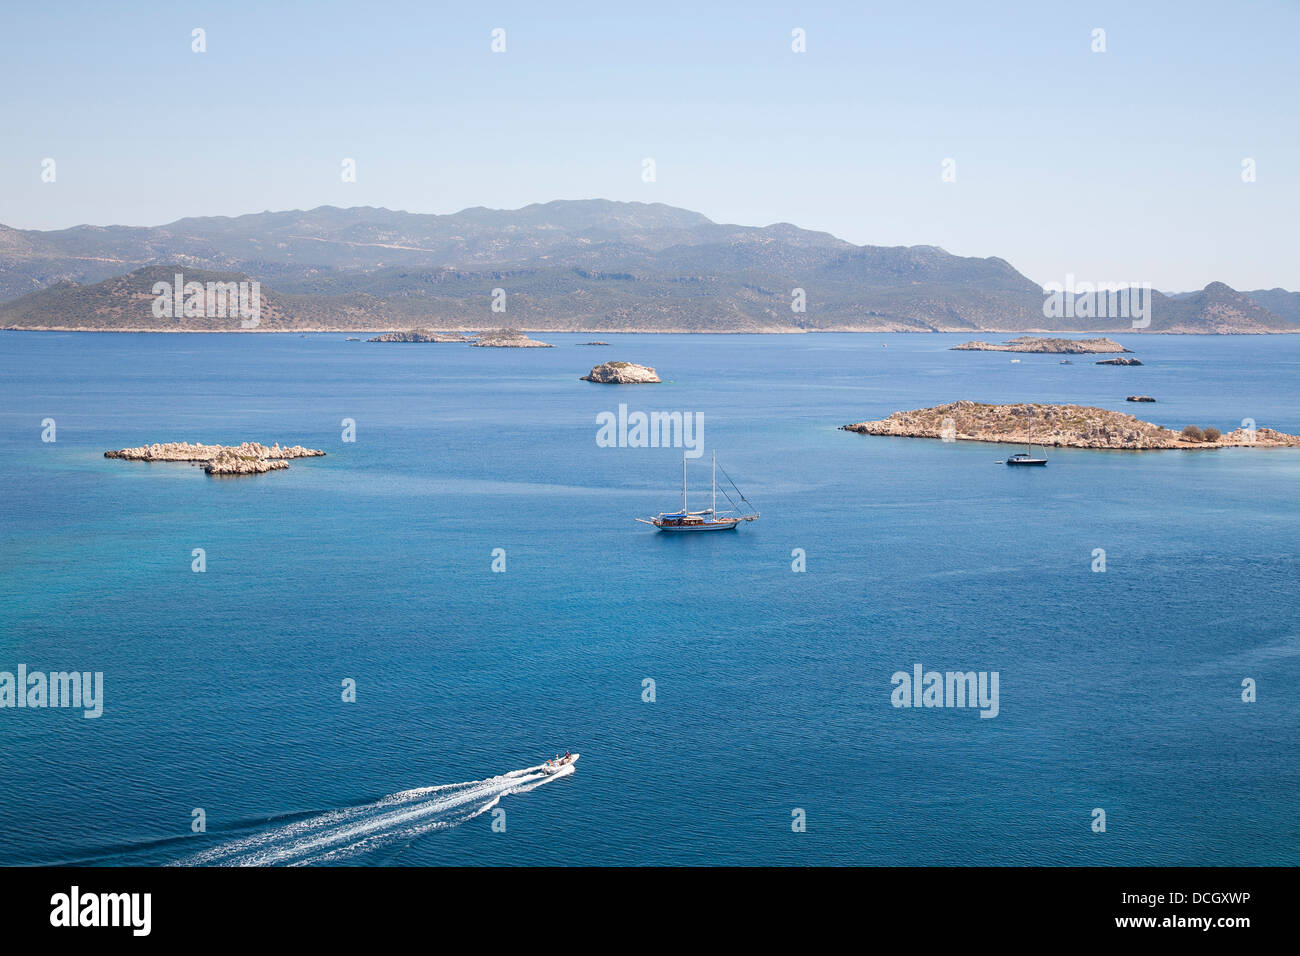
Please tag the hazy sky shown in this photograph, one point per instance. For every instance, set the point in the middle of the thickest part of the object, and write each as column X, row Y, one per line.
column 1122, row 165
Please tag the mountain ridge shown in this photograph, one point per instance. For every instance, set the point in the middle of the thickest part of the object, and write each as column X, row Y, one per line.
column 582, row 265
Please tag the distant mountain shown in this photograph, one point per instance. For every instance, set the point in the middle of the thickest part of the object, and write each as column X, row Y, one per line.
column 1285, row 305
column 1216, row 309
column 591, row 265
column 126, row 303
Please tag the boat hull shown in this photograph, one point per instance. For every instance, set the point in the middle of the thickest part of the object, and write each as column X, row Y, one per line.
column 711, row 526
column 552, row 767
column 706, row 519
column 1030, row 462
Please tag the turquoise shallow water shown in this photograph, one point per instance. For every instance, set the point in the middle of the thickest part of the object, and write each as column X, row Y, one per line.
column 1119, row 690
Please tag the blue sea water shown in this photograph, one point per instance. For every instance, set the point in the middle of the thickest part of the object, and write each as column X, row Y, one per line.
column 1119, row 690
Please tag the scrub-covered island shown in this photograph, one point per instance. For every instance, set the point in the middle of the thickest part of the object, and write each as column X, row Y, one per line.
column 496, row 338
column 622, row 373
column 421, row 335
column 1031, row 343
column 1066, row 426
column 509, row 339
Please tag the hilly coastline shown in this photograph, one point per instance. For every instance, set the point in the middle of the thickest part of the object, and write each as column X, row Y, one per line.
column 583, row 265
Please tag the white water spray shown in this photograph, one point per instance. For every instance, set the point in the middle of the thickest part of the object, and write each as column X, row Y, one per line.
column 339, row 834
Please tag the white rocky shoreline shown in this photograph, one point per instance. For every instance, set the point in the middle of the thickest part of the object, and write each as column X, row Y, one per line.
column 246, row 458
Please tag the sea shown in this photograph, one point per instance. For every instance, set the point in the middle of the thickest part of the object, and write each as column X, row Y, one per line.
column 366, row 658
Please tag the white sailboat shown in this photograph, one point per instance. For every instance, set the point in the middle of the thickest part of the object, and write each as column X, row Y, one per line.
column 709, row 519
column 1027, row 457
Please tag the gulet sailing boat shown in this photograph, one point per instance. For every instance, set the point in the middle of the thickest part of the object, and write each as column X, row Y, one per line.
column 710, row 519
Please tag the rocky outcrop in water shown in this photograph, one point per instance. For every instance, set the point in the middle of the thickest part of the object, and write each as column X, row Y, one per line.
column 230, row 462
column 1257, row 437
column 1139, row 398
column 595, row 343
column 509, row 339
column 421, row 335
column 622, row 373
column 1030, row 343
column 248, row 458
column 1069, row 426
column 1120, row 361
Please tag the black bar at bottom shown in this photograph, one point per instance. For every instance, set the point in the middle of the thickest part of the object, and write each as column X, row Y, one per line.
column 336, row 904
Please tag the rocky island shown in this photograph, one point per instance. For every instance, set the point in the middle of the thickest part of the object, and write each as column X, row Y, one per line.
column 1068, row 426
column 421, row 335
column 1139, row 398
column 509, row 339
column 1119, row 361
column 595, row 343
column 622, row 373
column 248, row 458
column 1030, row 343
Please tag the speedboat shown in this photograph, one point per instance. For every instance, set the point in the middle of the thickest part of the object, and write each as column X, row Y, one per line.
column 559, row 763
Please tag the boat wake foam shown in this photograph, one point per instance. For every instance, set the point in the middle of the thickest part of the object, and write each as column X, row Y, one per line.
column 338, row 835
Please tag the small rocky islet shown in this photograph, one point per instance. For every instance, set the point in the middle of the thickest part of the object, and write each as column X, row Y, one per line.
column 1066, row 426
column 247, row 458
column 622, row 373
column 494, row 339
column 508, row 339
column 1032, row 343
column 421, row 335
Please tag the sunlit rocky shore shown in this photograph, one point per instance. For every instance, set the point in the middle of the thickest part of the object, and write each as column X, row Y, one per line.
column 1068, row 426
column 247, row 458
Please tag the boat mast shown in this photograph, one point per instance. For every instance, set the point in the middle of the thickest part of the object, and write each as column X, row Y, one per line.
column 683, row 483
column 713, row 510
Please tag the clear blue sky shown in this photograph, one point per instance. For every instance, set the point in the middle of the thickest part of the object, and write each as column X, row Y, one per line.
column 1123, row 165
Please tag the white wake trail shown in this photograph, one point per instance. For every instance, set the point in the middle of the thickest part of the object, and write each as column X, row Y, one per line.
column 341, row 834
